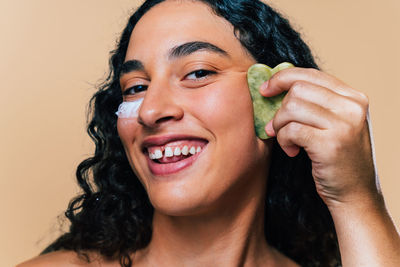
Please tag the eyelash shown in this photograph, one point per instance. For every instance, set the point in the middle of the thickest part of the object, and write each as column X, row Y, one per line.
column 201, row 72
column 136, row 89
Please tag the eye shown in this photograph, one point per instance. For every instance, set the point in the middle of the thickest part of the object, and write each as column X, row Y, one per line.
column 135, row 89
column 199, row 74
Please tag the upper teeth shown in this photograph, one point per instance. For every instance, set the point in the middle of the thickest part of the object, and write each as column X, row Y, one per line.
column 177, row 151
column 185, row 150
column 168, row 152
column 158, row 154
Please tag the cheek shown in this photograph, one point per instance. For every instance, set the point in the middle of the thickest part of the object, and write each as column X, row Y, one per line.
column 127, row 130
column 227, row 107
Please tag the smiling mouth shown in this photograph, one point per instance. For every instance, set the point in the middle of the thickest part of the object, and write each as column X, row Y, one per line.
column 173, row 159
column 174, row 156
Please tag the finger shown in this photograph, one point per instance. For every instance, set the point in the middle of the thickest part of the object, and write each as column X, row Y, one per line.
column 304, row 112
column 284, row 80
column 295, row 135
column 314, row 93
column 269, row 128
column 341, row 105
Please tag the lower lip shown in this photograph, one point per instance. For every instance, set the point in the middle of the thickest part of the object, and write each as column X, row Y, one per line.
column 171, row 168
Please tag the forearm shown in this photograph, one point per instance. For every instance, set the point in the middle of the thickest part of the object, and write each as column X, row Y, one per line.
column 366, row 233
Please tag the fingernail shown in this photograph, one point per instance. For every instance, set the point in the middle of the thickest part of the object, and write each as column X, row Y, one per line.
column 264, row 86
column 269, row 129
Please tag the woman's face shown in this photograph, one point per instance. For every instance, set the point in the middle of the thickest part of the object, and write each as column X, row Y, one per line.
column 191, row 71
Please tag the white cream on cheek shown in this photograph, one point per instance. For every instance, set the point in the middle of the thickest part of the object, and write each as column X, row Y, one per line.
column 129, row 109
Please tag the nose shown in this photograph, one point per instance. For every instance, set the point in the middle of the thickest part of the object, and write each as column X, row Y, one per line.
column 159, row 106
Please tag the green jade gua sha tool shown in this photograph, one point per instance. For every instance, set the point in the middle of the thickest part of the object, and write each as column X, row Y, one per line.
column 264, row 107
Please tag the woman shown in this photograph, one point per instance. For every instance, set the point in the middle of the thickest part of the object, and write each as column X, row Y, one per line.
column 235, row 200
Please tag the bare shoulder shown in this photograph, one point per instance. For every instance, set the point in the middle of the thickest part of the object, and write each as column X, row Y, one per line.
column 65, row 259
column 284, row 261
column 58, row 258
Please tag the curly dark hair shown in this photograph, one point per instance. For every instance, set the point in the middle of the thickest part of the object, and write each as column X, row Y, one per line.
column 113, row 215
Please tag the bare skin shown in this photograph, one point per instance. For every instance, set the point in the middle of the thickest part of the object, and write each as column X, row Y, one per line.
column 215, row 218
column 321, row 111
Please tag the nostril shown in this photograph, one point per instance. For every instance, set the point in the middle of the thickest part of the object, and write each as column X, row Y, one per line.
column 157, row 122
column 161, row 120
column 154, row 111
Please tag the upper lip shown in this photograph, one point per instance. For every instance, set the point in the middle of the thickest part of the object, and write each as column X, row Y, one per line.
column 164, row 139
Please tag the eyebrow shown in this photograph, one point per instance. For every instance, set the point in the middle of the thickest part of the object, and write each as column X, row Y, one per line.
column 131, row 65
column 176, row 52
column 191, row 47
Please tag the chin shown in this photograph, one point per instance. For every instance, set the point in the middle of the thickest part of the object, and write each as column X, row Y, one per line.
column 178, row 201
column 179, row 207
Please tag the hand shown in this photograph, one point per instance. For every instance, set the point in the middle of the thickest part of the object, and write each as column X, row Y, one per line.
column 329, row 120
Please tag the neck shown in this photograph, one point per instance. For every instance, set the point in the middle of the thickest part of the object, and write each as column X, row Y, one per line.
column 230, row 235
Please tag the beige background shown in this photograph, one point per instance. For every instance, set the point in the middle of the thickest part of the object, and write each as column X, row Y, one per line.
column 53, row 52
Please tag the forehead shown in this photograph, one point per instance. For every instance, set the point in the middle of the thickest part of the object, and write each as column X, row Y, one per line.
column 174, row 22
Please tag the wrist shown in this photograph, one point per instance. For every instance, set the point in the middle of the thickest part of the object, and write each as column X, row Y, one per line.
column 357, row 204
column 366, row 233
